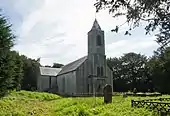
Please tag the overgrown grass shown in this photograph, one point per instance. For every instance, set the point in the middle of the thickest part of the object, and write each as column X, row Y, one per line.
column 25, row 103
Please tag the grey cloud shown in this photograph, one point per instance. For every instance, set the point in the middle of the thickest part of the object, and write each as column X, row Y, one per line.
column 58, row 50
column 137, row 33
column 42, row 32
column 140, row 45
column 57, row 35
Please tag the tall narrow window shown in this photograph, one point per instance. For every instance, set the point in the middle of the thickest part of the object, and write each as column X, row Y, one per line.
column 99, row 40
column 101, row 71
column 99, row 88
column 87, row 88
column 98, row 71
column 49, row 82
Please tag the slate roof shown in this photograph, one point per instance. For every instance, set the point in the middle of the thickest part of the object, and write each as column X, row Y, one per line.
column 96, row 25
column 72, row 66
column 48, row 71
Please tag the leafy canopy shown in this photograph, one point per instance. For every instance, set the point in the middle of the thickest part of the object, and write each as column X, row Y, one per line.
column 129, row 71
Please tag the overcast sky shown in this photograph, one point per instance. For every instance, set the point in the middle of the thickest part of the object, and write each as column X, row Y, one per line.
column 56, row 30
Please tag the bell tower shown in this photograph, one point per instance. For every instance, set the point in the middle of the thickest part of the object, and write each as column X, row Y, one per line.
column 96, row 51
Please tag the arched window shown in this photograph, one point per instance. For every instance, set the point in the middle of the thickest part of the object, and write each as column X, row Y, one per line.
column 99, row 40
column 87, row 88
column 50, row 86
column 98, row 71
column 99, row 88
column 101, row 71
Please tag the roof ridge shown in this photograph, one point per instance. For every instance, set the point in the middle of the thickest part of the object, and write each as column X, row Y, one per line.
column 74, row 61
column 48, row 67
column 72, row 66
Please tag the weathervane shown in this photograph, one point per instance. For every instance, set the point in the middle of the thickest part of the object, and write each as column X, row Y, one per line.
column 95, row 13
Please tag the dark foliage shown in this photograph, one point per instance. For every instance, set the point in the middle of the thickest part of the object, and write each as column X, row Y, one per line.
column 145, row 74
column 30, row 74
column 160, row 71
column 8, row 74
column 57, row 65
column 129, row 72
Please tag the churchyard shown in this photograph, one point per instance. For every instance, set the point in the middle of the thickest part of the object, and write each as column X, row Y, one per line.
column 24, row 103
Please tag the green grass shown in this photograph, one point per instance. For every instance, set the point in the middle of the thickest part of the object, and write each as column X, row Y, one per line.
column 25, row 103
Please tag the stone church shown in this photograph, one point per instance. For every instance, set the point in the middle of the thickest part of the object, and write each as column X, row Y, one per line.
column 88, row 74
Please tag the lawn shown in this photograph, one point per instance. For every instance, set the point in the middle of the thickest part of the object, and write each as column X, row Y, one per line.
column 26, row 103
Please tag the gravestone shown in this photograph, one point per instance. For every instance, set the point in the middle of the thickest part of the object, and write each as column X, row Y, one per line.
column 107, row 93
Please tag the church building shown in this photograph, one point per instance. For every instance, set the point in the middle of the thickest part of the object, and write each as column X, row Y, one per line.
column 90, row 73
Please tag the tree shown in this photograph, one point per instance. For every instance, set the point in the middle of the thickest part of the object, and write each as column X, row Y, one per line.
column 129, row 71
column 115, row 65
column 159, row 66
column 6, row 59
column 135, row 70
column 18, row 68
column 57, row 65
column 31, row 70
column 156, row 14
column 119, row 83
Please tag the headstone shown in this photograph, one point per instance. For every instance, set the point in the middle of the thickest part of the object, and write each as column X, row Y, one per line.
column 107, row 93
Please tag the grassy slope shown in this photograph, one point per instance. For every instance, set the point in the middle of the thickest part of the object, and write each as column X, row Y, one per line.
column 43, row 104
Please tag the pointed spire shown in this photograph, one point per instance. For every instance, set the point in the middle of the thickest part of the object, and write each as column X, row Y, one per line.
column 96, row 25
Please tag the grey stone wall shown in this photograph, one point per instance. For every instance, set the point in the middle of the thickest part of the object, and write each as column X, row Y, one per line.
column 92, row 45
column 67, row 83
column 81, row 78
column 44, row 83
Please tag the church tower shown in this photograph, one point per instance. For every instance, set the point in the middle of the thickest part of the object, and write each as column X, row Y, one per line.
column 96, row 51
